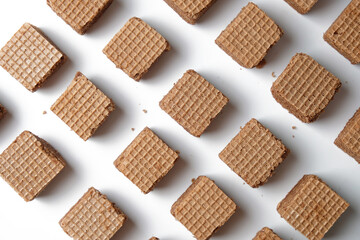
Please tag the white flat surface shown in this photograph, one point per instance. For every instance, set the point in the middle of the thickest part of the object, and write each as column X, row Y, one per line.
column 91, row 163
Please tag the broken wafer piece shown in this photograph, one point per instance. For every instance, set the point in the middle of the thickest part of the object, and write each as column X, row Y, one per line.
column 254, row 153
column 203, row 208
column 305, row 88
column 2, row 111
column 302, row 6
column 312, row 207
column 79, row 14
column 135, row 48
column 349, row 138
column 193, row 102
column 249, row 37
column 29, row 164
column 93, row 217
column 30, row 57
column 190, row 10
column 344, row 33
column 266, row 234
column 83, row 107
column 146, row 160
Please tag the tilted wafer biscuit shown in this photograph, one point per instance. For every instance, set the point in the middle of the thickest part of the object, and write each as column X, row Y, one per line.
column 254, row 153
column 83, row 107
column 312, row 207
column 203, row 208
column 266, row 234
column 302, row 6
column 93, row 217
column 30, row 57
column 305, row 88
column 193, row 102
column 344, row 33
column 146, row 160
column 190, row 10
column 349, row 138
column 248, row 38
column 135, row 48
column 79, row 14
column 2, row 111
column 29, row 164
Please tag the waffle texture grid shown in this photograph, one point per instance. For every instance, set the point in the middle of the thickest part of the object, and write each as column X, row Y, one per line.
column 266, row 234
column 302, row 6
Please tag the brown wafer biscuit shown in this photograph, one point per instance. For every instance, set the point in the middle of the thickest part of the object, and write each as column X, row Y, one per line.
column 190, row 10
column 312, row 207
column 93, row 217
column 193, row 102
column 302, row 6
column 254, row 153
column 135, row 48
column 30, row 57
column 344, row 34
column 2, row 111
column 248, row 38
column 154, row 238
column 146, row 160
column 349, row 138
column 29, row 164
column 83, row 107
column 203, row 208
column 266, row 234
column 79, row 14
column 305, row 88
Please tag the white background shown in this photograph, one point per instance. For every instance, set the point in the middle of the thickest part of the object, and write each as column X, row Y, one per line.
column 91, row 163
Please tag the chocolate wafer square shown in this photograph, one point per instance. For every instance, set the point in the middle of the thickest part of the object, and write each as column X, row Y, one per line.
column 312, row 207
column 146, row 160
column 344, row 33
column 93, row 217
column 79, row 14
column 30, row 57
column 135, row 48
column 83, row 107
column 254, row 153
column 266, row 234
column 203, row 208
column 2, row 111
column 305, row 88
column 302, row 6
column 190, row 10
column 29, row 164
column 349, row 138
column 249, row 37
column 193, row 102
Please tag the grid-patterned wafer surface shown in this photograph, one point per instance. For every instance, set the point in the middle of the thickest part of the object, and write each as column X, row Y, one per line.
column 193, row 102
column 146, row 160
column 135, row 48
column 349, row 138
column 29, row 164
column 93, row 217
column 266, row 234
column 203, row 208
column 30, row 58
column 2, row 111
column 305, row 88
column 79, row 14
column 248, row 38
column 83, row 107
column 312, row 207
column 302, row 6
column 344, row 33
column 254, row 153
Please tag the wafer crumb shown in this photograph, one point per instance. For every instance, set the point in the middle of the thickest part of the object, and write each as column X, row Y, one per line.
column 293, row 136
column 144, row 110
column 44, row 112
column 132, row 129
column 293, row 127
column 273, row 74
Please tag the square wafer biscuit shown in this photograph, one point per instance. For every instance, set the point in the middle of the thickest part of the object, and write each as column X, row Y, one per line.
column 146, row 160
column 305, row 88
column 248, row 38
column 344, row 33
column 254, row 153
column 349, row 138
column 2, row 111
column 312, row 207
column 266, row 234
column 302, row 6
column 29, row 164
column 190, row 10
column 93, row 217
column 83, row 107
column 79, row 14
column 193, row 102
column 135, row 48
column 30, row 57
column 203, row 208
